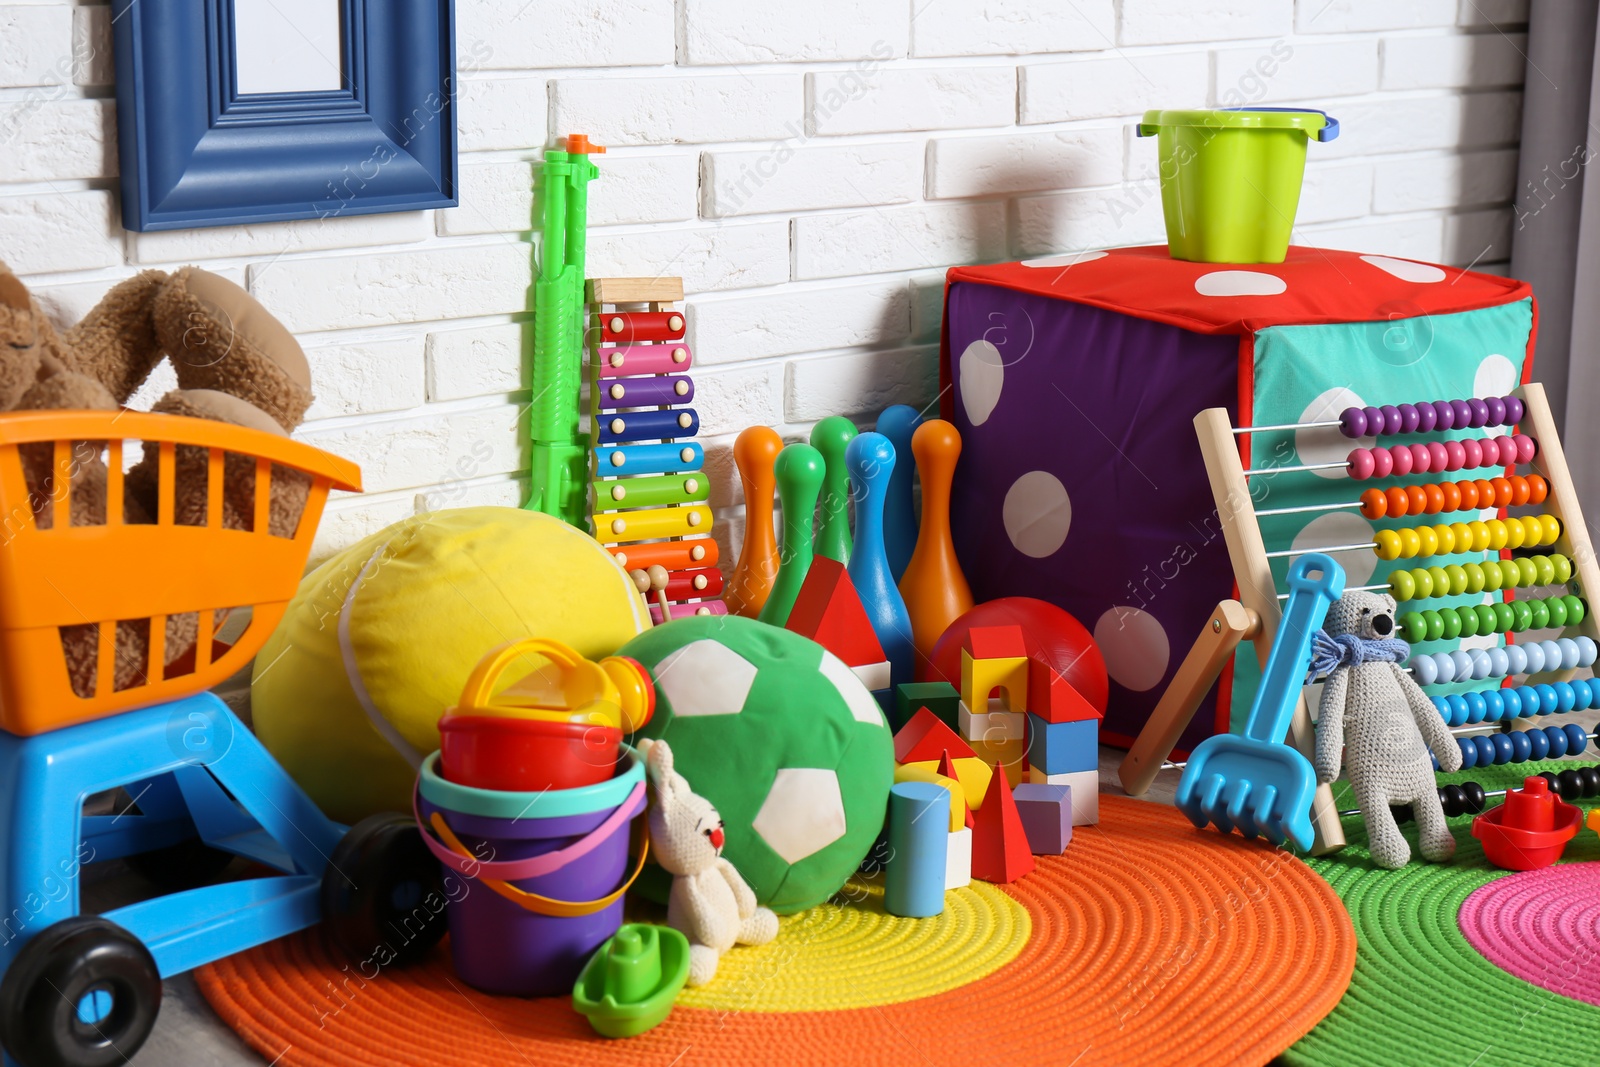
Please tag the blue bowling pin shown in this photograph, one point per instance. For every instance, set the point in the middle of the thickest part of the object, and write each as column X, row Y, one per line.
column 898, row 423
column 870, row 460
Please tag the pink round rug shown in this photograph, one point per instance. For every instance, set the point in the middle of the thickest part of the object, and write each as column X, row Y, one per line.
column 1542, row 926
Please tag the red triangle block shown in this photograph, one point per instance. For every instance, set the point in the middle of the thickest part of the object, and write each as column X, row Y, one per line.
column 1053, row 698
column 948, row 769
column 996, row 642
column 829, row 611
column 1000, row 851
column 925, row 736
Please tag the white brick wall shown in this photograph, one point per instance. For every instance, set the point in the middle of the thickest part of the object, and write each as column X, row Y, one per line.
column 810, row 169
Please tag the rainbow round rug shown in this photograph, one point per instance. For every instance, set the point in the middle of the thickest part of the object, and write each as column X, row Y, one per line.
column 1422, row 995
column 1148, row 942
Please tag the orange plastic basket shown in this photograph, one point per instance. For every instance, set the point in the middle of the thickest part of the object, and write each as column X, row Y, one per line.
column 69, row 576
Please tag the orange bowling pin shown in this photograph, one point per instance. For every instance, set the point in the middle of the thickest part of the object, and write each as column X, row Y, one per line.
column 933, row 587
column 755, row 451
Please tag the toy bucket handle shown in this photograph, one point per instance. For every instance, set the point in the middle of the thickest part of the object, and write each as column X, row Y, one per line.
column 460, row 860
column 569, row 909
column 564, row 909
column 480, row 683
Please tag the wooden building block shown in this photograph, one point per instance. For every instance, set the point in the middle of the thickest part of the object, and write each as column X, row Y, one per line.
column 1000, row 852
column 924, row 737
column 829, row 611
column 995, row 723
column 1059, row 747
column 919, row 772
column 980, row 677
column 1008, row 753
column 1085, row 792
column 1053, row 698
column 1046, row 812
column 958, row 860
column 940, row 698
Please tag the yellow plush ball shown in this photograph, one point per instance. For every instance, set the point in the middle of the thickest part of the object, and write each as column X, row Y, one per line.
column 380, row 639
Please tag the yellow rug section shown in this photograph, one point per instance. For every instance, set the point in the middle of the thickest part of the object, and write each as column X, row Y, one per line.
column 850, row 953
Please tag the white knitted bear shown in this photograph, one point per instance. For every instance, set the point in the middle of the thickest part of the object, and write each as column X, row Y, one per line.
column 710, row 902
column 1384, row 725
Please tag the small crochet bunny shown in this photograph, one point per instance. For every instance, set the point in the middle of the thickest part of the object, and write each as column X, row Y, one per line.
column 1383, row 724
column 710, row 902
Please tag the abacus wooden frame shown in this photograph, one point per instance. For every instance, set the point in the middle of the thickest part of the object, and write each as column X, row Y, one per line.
column 1258, row 593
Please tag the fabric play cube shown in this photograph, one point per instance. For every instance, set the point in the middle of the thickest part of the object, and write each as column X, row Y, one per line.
column 1074, row 381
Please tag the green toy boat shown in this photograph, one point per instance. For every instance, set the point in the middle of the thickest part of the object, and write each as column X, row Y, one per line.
column 628, row 986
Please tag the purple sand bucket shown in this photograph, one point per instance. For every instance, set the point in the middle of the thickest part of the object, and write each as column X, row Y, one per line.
column 565, row 866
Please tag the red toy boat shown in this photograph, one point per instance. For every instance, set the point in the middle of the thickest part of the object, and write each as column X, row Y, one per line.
column 1529, row 830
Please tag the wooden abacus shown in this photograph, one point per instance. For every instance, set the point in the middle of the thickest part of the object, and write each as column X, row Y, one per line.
column 649, row 503
column 1560, row 529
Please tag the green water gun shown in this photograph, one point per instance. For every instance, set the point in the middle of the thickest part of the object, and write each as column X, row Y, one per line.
column 559, row 467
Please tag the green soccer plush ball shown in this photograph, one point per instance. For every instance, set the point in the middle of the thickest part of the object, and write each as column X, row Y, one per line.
column 783, row 738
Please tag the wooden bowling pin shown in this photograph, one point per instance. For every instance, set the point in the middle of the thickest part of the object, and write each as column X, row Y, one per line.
column 871, row 460
column 935, row 591
column 898, row 423
column 831, row 437
column 799, row 475
column 754, row 453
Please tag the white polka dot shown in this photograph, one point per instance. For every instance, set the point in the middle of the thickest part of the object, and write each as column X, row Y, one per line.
column 1326, row 444
column 1496, row 376
column 1037, row 514
column 983, row 375
column 1239, row 283
column 1406, row 270
column 1341, row 528
column 1135, row 648
column 1065, row 259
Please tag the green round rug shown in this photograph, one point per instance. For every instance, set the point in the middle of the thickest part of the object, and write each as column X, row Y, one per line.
column 1421, row 994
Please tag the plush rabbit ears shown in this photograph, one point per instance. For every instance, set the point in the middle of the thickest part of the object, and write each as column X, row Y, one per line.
column 658, row 765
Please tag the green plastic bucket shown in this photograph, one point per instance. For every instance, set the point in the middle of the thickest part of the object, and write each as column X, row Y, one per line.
column 1230, row 178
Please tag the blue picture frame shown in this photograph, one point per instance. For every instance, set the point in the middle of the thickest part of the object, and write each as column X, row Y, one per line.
column 197, row 153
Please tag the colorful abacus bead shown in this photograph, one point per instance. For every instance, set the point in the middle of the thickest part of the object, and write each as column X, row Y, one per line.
column 1419, row 583
column 1532, row 531
column 1517, row 702
column 1426, row 417
column 1533, row 657
column 1469, row 798
column 1517, row 746
column 1380, row 462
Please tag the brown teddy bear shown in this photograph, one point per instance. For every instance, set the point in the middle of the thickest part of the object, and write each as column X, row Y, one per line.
column 235, row 363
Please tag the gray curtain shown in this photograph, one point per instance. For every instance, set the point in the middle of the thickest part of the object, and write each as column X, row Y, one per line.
column 1556, row 233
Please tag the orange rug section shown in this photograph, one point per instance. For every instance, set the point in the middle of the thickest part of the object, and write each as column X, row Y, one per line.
column 1153, row 942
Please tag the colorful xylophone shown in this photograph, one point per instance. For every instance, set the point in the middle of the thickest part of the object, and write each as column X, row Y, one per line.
column 649, row 488
column 1552, row 547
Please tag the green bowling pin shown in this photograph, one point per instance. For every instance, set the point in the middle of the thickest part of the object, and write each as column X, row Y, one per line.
column 799, row 472
column 831, row 437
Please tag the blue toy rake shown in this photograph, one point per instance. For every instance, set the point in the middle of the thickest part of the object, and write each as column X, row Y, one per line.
column 1255, row 782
